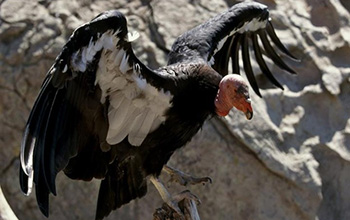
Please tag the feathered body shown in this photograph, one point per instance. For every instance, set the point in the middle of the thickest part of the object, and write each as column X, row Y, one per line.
column 101, row 113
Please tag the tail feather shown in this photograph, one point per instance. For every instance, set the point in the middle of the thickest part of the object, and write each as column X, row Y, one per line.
column 89, row 163
column 120, row 186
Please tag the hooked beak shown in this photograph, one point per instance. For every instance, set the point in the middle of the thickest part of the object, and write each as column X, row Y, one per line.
column 249, row 114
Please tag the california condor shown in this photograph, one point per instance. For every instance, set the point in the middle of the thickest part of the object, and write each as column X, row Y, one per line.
column 101, row 113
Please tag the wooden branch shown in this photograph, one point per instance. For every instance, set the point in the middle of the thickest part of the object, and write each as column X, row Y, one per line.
column 187, row 206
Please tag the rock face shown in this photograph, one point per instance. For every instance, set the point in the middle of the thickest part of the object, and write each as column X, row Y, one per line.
column 290, row 162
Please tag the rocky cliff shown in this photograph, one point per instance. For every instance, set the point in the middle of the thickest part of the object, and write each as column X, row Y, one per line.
column 290, row 162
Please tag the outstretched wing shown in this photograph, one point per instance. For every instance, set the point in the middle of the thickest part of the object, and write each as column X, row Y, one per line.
column 95, row 95
column 220, row 39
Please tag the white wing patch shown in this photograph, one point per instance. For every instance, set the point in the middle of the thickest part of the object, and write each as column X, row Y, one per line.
column 82, row 57
column 132, row 36
column 136, row 108
column 253, row 25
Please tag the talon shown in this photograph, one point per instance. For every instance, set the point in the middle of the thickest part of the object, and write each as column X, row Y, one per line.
column 207, row 180
column 183, row 178
column 173, row 201
column 187, row 195
column 176, row 208
column 166, row 197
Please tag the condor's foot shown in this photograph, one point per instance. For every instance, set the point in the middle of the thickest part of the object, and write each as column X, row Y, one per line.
column 183, row 178
column 182, row 206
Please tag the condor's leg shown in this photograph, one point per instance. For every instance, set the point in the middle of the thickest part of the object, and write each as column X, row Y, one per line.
column 189, row 201
column 183, row 178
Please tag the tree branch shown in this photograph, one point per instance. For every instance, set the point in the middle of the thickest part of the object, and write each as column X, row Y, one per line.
column 187, row 206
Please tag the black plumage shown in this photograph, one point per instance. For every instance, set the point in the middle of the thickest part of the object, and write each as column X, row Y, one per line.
column 76, row 123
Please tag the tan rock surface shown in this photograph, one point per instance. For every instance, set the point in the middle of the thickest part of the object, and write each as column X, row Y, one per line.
column 290, row 162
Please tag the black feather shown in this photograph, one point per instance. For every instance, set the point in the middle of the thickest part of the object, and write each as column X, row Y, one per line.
column 261, row 62
column 124, row 182
column 271, row 52
column 48, row 158
column 40, row 179
column 42, row 196
column 32, row 130
column 222, row 57
column 235, row 53
column 271, row 32
column 26, row 148
column 247, row 65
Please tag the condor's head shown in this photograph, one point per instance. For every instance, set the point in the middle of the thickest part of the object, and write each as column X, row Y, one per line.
column 233, row 92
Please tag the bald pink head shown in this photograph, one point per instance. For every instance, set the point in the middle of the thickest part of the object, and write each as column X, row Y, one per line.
column 233, row 92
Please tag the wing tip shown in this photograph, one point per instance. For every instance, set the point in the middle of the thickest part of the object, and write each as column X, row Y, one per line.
column 258, row 92
column 275, row 39
column 52, row 188
column 270, row 51
column 45, row 210
column 42, row 196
